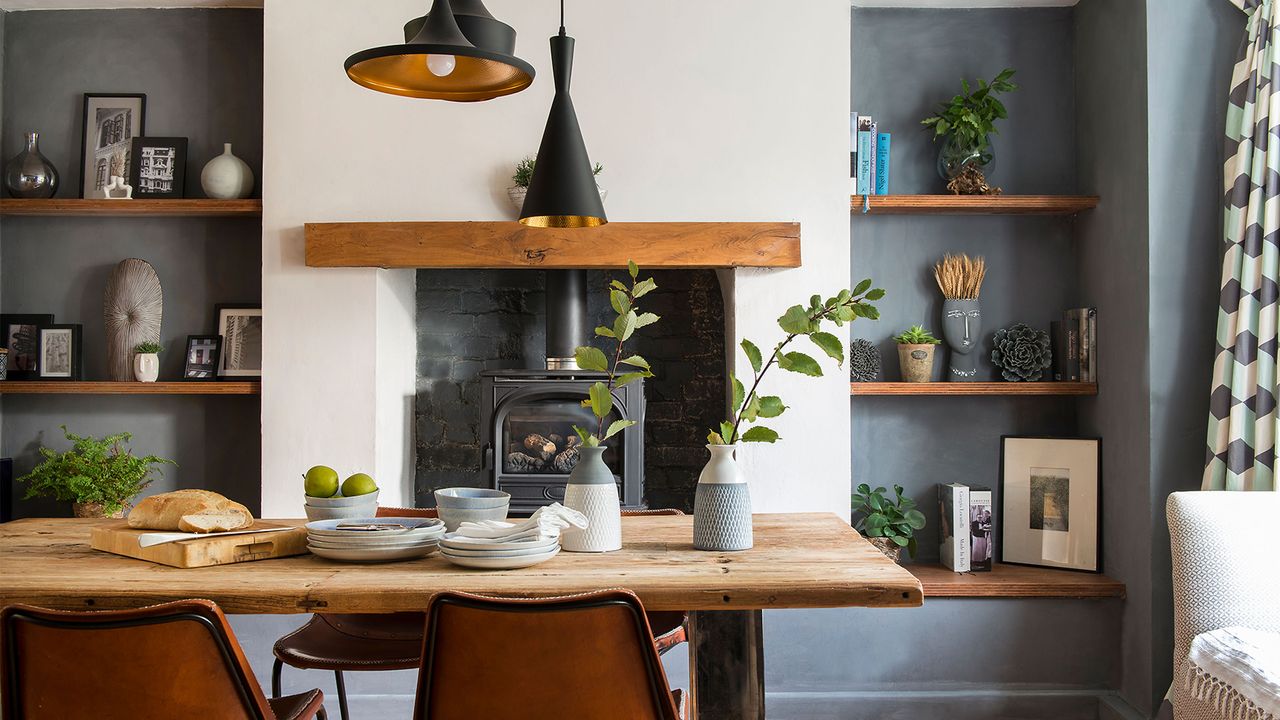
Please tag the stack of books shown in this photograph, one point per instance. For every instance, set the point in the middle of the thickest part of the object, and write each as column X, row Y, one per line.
column 967, row 527
column 1075, row 345
column 868, row 156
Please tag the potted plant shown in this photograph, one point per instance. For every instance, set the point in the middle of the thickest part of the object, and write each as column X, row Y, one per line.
column 889, row 523
column 966, row 123
column 524, row 175
column 915, row 353
column 722, row 501
column 146, row 361
column 98, row 476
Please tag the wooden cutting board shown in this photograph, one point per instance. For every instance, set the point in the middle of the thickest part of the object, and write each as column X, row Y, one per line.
column 121, row 539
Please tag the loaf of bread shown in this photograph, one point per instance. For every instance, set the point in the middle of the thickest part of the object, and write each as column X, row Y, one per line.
column 198, row 511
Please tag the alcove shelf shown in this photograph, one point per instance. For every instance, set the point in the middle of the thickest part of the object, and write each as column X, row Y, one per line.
column 971, row 204
column 187, row 207
column 973, row 388
column 1014, row 581
column 191, row 387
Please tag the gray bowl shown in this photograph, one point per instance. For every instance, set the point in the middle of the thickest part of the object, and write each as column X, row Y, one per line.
column 368, row 509
column 342, row 500
column 459, row 505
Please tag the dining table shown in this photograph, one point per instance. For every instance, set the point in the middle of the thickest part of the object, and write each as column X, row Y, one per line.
column 799, row 560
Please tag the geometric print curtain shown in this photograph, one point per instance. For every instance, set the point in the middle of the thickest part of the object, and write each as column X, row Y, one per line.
column 1242, row 403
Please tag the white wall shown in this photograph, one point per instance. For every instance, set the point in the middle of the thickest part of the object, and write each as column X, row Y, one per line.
column 714, row 110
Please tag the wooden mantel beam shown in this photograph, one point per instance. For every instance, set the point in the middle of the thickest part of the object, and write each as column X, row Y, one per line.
column 494, row 245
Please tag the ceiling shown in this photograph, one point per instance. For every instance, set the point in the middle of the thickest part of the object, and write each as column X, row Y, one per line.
column 108, row 4
column 958, row 4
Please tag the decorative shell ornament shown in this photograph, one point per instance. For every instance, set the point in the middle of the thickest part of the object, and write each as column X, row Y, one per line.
column 864, row 361
column 132, row 306
column 1022, row 353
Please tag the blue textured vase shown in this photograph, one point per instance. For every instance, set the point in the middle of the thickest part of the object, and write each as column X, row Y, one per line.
column 722, row 504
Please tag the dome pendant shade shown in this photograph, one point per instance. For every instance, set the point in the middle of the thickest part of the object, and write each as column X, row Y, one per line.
column 478, row 72
column 563, row 192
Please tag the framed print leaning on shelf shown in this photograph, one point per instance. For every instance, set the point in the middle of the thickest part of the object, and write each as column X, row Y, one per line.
column 1051, row 502
column 111, row 122
column 241, row 330
column 203, row 352
column 159, row 167
column 20, row 335
column 60, row 357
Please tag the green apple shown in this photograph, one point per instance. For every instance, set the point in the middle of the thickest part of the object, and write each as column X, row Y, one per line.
column 321, row 481
column 358, row 484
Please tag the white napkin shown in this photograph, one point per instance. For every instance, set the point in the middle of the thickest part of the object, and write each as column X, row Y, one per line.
column 546, row 522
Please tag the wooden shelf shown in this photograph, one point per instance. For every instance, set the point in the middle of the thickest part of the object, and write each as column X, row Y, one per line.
column 973, row 204
column 498, row 245
column 1014, row 581
column 973, row 388
column 133, row 208
column 194, row 387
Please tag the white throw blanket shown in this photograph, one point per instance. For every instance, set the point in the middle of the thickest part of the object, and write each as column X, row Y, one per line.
column 545, row 523
column 1237, row 671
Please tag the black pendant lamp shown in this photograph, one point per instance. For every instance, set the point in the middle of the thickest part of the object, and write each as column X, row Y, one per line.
column 441, row 61
column 563, row 192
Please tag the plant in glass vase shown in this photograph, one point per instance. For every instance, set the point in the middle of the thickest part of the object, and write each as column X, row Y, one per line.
column 967, row 122
column 722, row 503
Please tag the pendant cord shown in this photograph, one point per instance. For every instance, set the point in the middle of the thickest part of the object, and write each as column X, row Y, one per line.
column 562, row 17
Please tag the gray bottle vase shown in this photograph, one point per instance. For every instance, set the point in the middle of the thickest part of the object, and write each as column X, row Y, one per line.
column 29, row 174
column 962, row 329
column 722, row 504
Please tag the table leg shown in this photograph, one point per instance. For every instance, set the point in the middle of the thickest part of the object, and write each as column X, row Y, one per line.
column 726, row 665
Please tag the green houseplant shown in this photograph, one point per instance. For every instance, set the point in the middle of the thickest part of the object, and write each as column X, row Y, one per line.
column 889, row 523
column 523, row 175
column 100, row 476
column 966, row 123
column 146, row 361
column 915, row 353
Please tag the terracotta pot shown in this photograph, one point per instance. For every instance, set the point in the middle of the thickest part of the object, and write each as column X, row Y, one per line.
column 94, row 510
column 890, row 549
column 916, row 362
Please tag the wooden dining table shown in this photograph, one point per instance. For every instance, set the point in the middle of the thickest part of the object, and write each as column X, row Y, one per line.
column 812, row 560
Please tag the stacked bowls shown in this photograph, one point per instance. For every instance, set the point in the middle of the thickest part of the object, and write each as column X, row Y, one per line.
column 339, row 507
column 459, row 505
column 497, row 554
column 374, row 539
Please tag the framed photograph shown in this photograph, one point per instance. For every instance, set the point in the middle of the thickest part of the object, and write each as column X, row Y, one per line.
column 111, row 122
column 203, row 353
column 60, row 357
column 20, row 335
column 158, row 167
column 241, row 331
column 1051, row 502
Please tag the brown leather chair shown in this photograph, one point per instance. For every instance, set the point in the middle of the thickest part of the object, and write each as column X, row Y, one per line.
column 394, row 642
column 586, row 656
column 176, row 660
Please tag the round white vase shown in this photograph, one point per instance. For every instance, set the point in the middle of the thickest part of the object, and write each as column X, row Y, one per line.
column 227, row 177
column 722, row 504
column 146, row 367
column 593, row 492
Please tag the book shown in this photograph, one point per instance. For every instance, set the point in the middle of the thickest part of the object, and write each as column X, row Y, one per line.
column 1089, row 340
column 853, row 152
column 981, row 526
column 866, row 155
column 882, row 163
column 953, row 516
column 1071, row 330
column 1058, row 343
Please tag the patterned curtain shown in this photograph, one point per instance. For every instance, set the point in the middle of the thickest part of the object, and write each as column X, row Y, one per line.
column 1242, row 405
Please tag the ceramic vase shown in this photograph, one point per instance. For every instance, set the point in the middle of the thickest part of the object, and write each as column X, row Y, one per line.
column 227, row 177
column 722, row 504
column 916, row 362
column 30, row 174
column 962, row 328
column 146, row 367
column 593, row 491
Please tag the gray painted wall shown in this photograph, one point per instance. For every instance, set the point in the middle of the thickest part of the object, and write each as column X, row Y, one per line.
column 202, row 73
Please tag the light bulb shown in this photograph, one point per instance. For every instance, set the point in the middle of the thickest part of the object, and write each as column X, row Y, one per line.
column 441, row 65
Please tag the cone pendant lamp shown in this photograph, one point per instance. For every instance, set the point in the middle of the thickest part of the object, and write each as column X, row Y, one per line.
column 563, row 192
column 441, row 62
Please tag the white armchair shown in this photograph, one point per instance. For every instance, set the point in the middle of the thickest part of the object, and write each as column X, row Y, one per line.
column 1226, row 573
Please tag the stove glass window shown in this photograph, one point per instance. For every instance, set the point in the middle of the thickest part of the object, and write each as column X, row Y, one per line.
column 538, row 437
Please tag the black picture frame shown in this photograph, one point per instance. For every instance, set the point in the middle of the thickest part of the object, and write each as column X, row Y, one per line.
column 158, row 167
column 71, row 367
column 92, row 166
column 220, row 314
column 18, row 368
column 1002, row 519
column 193, row 369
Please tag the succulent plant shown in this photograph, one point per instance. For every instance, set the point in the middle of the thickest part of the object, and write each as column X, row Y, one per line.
column 916, row 335
column 864, row 361
column 1022, row 353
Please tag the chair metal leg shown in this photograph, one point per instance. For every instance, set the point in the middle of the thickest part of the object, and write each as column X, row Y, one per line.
column 342, row 696
column 275, row 678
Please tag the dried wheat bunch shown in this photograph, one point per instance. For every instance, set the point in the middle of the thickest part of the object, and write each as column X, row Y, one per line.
column 960, row 276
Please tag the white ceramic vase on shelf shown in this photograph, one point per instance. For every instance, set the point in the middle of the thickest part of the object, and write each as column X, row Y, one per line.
column 722, row 504
column 146, row 367
column 593, row 491
column 227, row 177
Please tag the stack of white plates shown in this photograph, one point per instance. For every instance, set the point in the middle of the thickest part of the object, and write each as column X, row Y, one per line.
column 497, row 554
column 383, row 539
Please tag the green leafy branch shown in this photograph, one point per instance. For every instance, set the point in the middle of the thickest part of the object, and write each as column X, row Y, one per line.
column 971, row 116
column 93, row 471
column 628, row 319
column 896, row 519
column 749, row 406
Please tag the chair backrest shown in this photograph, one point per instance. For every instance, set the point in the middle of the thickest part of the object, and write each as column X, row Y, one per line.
column 658, row 511
column 1225, row 571
column 178, row 660
column 406, row 512
column 586, row 656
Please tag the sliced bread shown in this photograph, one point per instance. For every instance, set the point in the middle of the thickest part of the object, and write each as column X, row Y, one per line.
column 190, row 511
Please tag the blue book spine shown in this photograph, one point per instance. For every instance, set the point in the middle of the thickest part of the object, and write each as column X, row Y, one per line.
column 864, row 162
column 882, row 164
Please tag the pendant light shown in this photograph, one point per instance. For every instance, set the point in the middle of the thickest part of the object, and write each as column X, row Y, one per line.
column 441, row 61
column 563, row 192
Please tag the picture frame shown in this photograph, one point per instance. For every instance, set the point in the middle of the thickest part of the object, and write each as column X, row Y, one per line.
column 20, row 335
column 240, row 327
column 60, row 352
column 204, row 353
column 111, row 122
column 158, row 167
column 1051, row 502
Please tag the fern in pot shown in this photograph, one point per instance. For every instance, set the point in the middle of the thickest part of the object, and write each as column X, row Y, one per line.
column 99, row 476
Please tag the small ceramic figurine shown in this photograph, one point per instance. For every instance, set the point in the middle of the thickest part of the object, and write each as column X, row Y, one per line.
column 117, row 185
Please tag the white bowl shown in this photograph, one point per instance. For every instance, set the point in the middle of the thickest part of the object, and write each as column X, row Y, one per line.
column 341, row 513
column 341, row 500
column 465, row 498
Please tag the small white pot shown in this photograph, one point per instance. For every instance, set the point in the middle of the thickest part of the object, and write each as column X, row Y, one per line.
column 146, row 367
column 227, row 177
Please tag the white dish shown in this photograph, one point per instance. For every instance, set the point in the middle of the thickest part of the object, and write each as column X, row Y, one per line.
column 513, row 552
column 374, row 555
column 413, row 527
column 341, row 545
column 338, row 501
column 374, row 540
column 500, row 563
column 451, row 540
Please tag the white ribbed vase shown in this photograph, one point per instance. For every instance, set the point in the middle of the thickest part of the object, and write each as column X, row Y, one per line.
column 227, row 177
column 722, row 504
column 593, row 492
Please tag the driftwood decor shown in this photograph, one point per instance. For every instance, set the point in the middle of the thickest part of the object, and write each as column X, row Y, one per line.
column 131, row 307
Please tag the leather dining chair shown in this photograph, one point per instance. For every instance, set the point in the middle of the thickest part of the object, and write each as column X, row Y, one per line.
column 341, row 643
column 175, row 660
column 585, row 656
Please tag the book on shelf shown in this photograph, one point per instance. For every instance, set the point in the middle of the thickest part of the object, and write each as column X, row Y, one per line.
column 882, row 163
column 1080, row 328
column 1058, row 344
column 853, row 153
column 981, row 527
column 953, row 518
column 866, row 155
